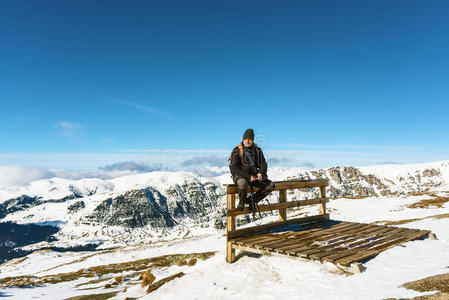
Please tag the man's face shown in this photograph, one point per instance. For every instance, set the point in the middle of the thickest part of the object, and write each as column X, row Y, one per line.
column 247, row 142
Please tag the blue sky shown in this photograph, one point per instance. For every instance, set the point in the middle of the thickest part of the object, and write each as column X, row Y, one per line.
column 348, row 82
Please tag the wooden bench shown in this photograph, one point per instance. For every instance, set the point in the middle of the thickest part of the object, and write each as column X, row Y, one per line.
column 345, row 244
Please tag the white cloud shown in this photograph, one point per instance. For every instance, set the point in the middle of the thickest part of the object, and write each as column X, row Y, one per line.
column 20, row 175
column 139, row 106
column 17, row 175
column 69, row 129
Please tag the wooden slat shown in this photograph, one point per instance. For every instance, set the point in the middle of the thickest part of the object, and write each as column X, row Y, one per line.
column 250, row 230
column 349, row 239
column 284, row 185
column 311, row 238
column 267, row 207
column 334, row 255
column 295, row 249
column 250, row 240
column 315, row 227
column 312, row 234
column 345, row 253
column 342, row 237
column 257, row 241
column 267, row 243
column 249, row 237
column 248, row 249
column 388, row 244
column 322, row 232
column 357, row 233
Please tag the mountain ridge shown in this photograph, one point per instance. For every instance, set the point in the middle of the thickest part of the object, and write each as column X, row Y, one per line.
column 155, row 205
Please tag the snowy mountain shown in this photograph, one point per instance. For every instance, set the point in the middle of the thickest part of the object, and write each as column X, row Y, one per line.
column 162, row 205
column 160, row 235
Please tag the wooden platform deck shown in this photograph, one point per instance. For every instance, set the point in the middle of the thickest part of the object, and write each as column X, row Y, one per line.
column 345, row 244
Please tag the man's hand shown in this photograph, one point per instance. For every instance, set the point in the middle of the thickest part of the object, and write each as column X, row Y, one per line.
column 252, row 178
column 259, row 176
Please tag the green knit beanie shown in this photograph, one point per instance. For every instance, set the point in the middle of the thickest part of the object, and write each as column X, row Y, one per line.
column 249, row 134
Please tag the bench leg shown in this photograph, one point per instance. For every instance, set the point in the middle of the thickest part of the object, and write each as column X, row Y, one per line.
column 230, row 226
column 230, row 253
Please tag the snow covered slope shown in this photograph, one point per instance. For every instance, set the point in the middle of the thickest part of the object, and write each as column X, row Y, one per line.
column 162, row 205
column 56, row 275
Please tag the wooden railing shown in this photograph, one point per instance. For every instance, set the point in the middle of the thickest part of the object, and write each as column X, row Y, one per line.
column 282, row 205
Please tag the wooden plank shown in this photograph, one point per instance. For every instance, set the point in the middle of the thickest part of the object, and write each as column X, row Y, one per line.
column 284, row 185
column 250, row 230
column 333, row 255
column 328, row 232
column 357, row 230
column 311, row 238
column 345, row 253
column 383, row 245
column 311, row 234
column 274, row 206
column 249, row 249
column 267, row 243
column 294, row 250
column 283, row 211
column 322, row 194
column 357, row 233
column 249, row 237
column 350, row 240
column 292, row 237
column 230, row 226
column 343, row 237
column 251, row 240
column 371, row 236
column 388, row 244
column 257, row 241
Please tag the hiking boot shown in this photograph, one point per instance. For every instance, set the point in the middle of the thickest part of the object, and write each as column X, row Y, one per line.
column 251, row 205
column 241, row 205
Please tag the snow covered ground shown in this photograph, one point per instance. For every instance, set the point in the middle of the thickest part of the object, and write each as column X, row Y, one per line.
column 259, row 277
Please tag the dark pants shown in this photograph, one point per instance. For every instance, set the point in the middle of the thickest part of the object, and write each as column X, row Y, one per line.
column 265, row 188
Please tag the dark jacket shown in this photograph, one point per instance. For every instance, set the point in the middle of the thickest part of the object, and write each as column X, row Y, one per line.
column 240, row 166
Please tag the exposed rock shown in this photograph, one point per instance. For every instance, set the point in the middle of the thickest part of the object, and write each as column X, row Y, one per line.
column 16, row 204
column 431, row 173
column 24, row 202
column 135, row 208
column 75, row 207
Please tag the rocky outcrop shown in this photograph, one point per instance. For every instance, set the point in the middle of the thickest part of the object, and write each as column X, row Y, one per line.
column 16, row 204
column 24, row 202
column 148, row 206
column 352, row 182
column 136, row 208
column 75, row 207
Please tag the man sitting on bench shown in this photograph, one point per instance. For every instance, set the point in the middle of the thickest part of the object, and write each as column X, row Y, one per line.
column 248, row 167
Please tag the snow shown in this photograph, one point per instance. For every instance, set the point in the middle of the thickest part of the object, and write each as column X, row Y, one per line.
column 395, row 171
column 265, row 277
column 251, row 276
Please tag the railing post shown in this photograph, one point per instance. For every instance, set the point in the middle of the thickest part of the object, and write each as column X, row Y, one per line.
column 230, row 226
column 282, row 211
column 322, row 195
